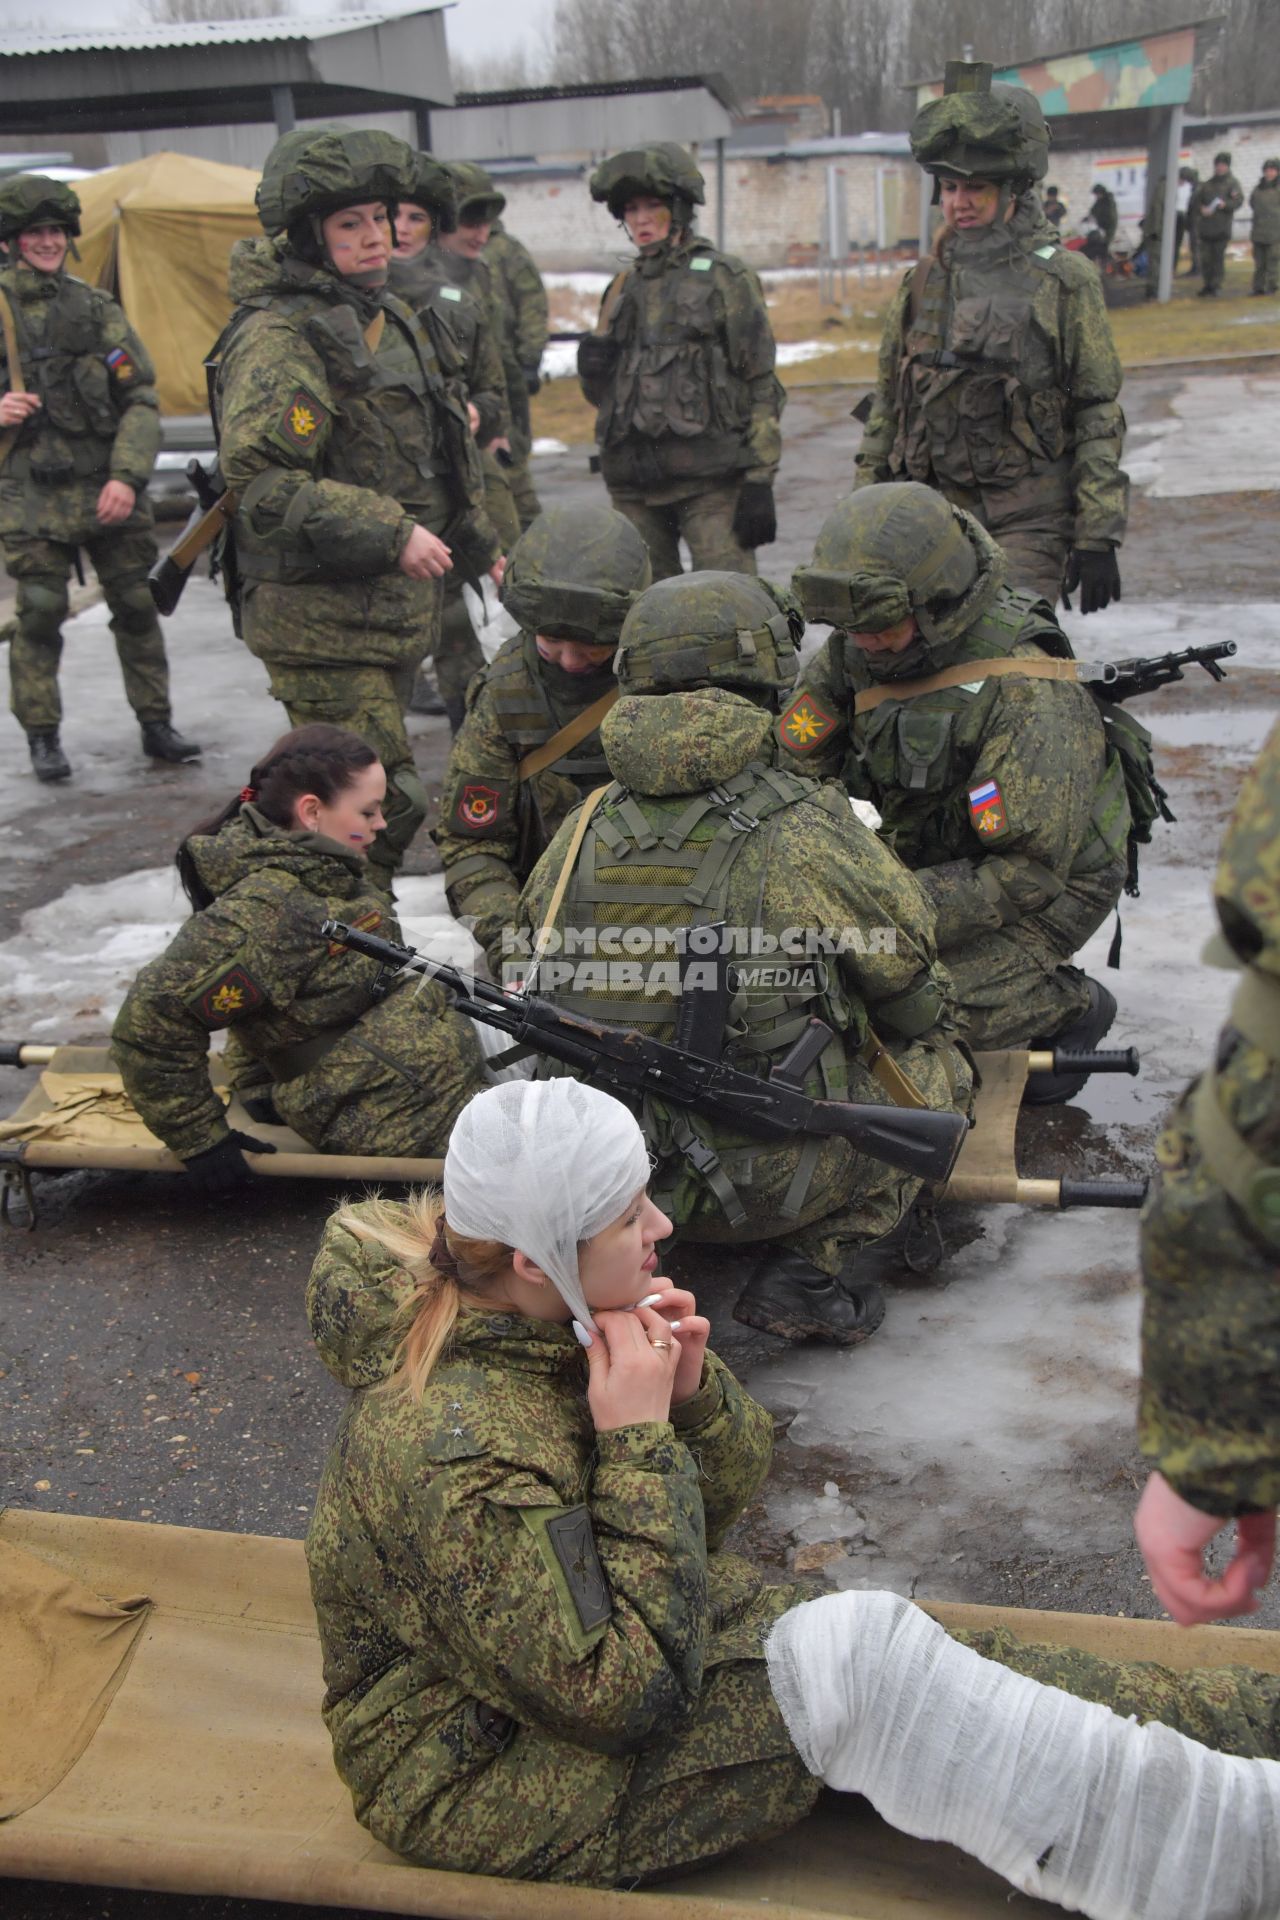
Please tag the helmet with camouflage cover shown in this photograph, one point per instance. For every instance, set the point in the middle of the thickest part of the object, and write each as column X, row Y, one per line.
column 433, row 189
column 664, row 170
column 897, row 549
column 575, row 573
column 314, row 171
column 1272, row 162
column 479, row 201
column 711, row 630
column 980, row 131
column 34, row 200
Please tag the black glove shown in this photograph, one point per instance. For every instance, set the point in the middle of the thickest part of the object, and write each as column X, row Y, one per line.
column 1096, row 574
column 532, row 380
column 755, row 518
column 219, row 1169
column 597, row 356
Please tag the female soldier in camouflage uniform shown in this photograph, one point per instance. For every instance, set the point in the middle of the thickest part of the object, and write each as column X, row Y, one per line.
column 349, row 448
column 355, row 1068
column 78, row 439
column 569, row 582
column 999, row 380
column 539, row 1661
column 680, row 369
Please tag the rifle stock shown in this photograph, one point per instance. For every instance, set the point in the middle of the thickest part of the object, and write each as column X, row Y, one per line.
column 172, row 570
column 918, row 1141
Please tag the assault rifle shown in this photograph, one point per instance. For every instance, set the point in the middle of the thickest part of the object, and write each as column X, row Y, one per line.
column 211, row 517
column 1126, row 679
column 915, row 1140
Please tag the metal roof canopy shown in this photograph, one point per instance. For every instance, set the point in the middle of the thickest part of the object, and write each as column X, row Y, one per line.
column 237, row 73
column 593, row 119
column 1124, row 92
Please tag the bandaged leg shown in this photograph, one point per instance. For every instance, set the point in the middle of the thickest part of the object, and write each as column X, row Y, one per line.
column 1060, row 1796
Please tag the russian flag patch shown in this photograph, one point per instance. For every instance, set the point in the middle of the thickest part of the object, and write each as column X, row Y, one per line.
column 986, row 809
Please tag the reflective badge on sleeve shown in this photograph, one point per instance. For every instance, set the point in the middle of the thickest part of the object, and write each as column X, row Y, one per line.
column 226, row 998
column 986, row 810
column 805, row 724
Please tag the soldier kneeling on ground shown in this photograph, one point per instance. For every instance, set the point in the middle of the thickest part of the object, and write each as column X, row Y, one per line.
column 699, row 828
column 529, row 748
column 352, row 1062
column 996, row 788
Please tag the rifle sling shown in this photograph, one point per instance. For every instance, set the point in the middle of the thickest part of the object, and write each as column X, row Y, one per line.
column 589, row 806
column 881, row 1065
column 568, row 737
column 964, row 675
column 17, row 384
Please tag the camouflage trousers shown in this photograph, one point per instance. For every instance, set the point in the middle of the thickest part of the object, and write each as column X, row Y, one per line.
column 121, row 557
column 1033, row 523
column 704, row 521
column 517, row 475
column 1266, row 266
column 371, row 701
column 458, row 656
column 1213, row 262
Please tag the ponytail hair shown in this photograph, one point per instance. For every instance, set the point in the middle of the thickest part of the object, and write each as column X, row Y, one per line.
column 440, row 1263
column 320, row 759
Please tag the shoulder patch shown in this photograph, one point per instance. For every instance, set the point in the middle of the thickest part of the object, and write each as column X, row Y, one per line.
column 120, row 366
column 805, row 724
column 480, row 806
column 234, row 992
column 1045, row 253
column 303, row 418
column 701, row 265
column 574, row 1546
column 451, row 293
column 987, row 811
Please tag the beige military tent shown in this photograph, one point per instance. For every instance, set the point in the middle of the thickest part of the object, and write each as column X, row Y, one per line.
column 158, row 234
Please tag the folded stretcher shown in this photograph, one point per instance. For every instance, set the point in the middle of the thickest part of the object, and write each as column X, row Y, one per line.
column 160, row 1728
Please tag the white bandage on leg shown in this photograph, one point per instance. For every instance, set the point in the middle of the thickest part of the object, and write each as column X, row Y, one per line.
column 1061, row 1796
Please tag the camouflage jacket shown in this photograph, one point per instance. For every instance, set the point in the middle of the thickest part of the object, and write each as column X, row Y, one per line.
column 667, row 846
column 995, row 793
column 518, row 286
column 252, row 960
column 1214, row 205
column 1210, row 1411
column 99, row 418
column 423, row 285
column 1265, row 202
column 999, row 379
column 336, row 451
column 692, row 395
column 513, row 1608
column 493, row 826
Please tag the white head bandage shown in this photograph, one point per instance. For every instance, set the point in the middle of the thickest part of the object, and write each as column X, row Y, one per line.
column 541, row 1165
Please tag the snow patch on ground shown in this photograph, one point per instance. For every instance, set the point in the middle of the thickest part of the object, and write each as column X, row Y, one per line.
column 1217, row 437
column 546, row 445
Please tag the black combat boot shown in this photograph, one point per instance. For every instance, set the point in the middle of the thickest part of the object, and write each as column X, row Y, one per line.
column 787, row 1296
column 163, row 742
column 1084, row 1033
column 425, row 697
column 47, row 758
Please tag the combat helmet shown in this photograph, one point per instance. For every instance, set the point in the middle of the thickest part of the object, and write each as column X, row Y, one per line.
column 34, row 200
column 433, row 189
column 711, row 630
column 1272, row 162
column 575, row 573
column 664, row 170
column 314, row 171
column 478, row 199
column 980, row 131
column 895, row 549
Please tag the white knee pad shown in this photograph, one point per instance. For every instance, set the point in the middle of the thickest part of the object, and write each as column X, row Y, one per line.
column 1061, row 1796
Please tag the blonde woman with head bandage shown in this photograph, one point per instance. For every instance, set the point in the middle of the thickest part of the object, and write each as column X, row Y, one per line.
column 541, row 1664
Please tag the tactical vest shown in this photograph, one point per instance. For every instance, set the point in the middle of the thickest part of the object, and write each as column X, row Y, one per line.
column 918, row 756
column 661, row 864
column 980, row 400
column 524, row 710
column 402, row 429
column 60, row 344
column 675, row 407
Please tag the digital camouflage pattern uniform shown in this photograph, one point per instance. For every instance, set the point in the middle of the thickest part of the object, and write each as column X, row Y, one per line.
column 539, row 1663
column 698, row 827
column 1265, row 233
column 336, row 450
column 1210, row 1414
column 681, row 372
column 354, row 1071
column 517, row 284
column 572, row 576
column 98, row 421
column 999, row 793
column 1214, row 205
column 998, row 379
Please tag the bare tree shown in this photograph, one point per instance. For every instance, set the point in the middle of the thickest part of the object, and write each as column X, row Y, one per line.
column 206, row 13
